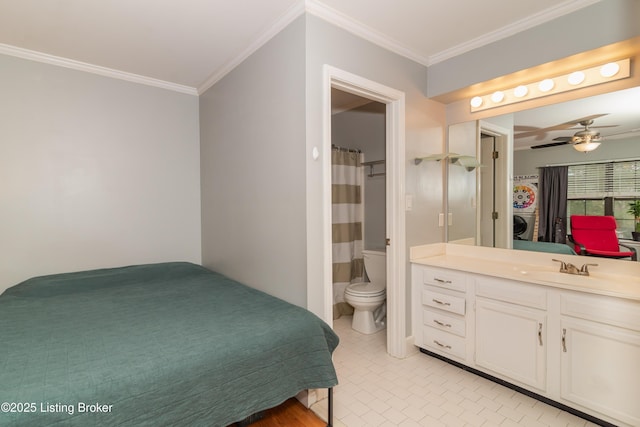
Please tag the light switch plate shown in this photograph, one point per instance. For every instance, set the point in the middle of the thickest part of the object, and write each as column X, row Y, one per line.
column 408, row 202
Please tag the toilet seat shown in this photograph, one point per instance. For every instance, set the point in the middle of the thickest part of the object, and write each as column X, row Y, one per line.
column 365, row 290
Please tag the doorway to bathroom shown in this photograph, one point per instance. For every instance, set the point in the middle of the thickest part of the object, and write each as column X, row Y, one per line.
column 394, row 178
column 358, row 182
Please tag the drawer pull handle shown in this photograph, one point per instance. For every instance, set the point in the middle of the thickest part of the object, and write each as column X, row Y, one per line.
column 440, row 302
column 448, row 347
column 564, row 340
column 445, row 325
column 441, row 280
column 540, row 333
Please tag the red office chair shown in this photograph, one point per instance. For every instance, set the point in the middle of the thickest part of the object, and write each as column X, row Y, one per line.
column 596, row 236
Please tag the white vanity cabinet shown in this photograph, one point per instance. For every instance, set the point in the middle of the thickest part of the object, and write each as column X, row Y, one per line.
column 440, row 304
column 510, row 336
column 600, row 362
column 578, row 348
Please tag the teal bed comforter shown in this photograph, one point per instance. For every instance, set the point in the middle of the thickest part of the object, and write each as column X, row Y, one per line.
column 162, row 344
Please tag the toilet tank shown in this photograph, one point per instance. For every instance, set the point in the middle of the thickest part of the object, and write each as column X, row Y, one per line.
column 375, row 264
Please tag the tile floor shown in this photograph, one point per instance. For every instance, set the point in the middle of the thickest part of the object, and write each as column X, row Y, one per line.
column 378, row 390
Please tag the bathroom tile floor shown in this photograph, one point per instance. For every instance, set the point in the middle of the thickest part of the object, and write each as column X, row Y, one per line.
column 376, row 389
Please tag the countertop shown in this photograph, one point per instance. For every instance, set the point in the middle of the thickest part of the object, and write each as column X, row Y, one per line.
column 617, row 278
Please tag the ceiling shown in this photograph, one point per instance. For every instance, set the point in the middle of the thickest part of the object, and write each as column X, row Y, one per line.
column 190, row 44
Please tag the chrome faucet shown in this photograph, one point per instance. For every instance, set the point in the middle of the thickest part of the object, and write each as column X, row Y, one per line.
column 566, row 267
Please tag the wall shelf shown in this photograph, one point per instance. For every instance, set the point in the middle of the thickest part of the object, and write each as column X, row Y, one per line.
column 467, row 162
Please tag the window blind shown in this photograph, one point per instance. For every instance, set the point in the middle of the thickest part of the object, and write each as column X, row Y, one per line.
column 626, row 179
column 600, row 180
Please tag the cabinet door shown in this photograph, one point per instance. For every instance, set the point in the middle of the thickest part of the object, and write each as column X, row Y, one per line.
column 601, row 368
column 511, row 341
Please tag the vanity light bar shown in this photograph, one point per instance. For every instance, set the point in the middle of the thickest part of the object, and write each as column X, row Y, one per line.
column 608, row 72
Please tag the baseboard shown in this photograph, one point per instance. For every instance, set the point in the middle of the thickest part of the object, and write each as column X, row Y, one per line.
column 312, row 396
column 411, row 347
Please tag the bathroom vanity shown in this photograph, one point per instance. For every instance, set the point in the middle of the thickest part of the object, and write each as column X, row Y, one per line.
column 511, row 315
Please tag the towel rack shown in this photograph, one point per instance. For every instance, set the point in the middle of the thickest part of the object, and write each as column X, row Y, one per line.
column 371, row 165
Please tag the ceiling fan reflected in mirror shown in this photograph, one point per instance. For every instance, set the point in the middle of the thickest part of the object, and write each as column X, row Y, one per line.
column 584, row 140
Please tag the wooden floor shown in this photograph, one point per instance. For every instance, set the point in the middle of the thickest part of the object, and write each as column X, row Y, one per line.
column 290, row 414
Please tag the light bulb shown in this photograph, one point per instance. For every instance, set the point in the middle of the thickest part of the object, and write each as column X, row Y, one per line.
column 576, row 78
column 546, row 85
column 476, row 101
column 497, row 96
column 520, row 91
column 609, row 70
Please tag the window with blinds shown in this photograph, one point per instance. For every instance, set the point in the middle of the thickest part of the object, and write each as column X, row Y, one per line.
column 605, row 189
column 600, row 180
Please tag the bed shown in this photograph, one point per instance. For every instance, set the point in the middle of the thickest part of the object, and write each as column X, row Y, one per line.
column 160, row 344
column 557, row 248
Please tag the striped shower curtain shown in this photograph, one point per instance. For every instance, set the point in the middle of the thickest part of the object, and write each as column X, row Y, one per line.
column 347, row 215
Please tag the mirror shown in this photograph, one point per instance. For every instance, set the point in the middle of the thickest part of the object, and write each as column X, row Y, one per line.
column 527, row 140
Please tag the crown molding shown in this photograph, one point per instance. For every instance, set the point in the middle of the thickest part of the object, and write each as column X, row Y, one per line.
column 347, row 23
column 94, row 69
column 359, row 29
column 289, row 16
column 527, row 23
column 313, row 7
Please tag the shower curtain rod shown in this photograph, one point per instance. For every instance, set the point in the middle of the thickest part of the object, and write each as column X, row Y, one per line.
column 350, row 150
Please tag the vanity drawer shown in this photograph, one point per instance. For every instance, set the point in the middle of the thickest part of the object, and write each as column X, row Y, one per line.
column 444, row 342
column 599, row 308
column 436, row 319
column 512, row 292
column 454, row 304
column 443, row 278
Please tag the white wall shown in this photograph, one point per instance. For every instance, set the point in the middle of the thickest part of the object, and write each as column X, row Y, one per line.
column 253, row 169
column 94, row 172
column 261, row 188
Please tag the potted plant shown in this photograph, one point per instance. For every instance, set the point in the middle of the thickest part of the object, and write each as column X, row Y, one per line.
column 634, row 209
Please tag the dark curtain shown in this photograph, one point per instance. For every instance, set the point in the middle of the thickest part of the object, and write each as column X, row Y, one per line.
column 552, row 205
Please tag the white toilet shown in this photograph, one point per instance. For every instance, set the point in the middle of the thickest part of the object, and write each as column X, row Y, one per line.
column 368, row 298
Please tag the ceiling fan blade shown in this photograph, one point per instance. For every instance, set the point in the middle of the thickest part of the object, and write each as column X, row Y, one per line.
column 524, row 128
column 542, row 132
column 550, row 144
column 563, row 139
column 596, row 127
column 561, row 126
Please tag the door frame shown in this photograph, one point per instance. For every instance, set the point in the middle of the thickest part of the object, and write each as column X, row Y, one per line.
column 503, row 183
column 395, row 190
